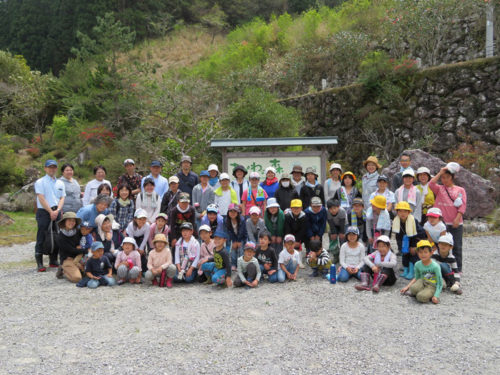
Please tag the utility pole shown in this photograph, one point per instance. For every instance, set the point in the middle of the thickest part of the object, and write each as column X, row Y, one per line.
column 490, row 43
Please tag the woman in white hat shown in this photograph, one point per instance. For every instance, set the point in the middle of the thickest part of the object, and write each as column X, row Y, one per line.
column 271, row 183
column 423, row 177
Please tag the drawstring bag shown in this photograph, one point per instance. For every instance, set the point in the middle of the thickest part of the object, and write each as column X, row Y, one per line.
column 49, row 245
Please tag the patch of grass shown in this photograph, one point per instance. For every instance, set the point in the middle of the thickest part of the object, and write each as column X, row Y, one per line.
column 23, row 230
column 18, row 264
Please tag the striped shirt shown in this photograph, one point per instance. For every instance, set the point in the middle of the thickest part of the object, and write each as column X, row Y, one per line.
column 451, row 261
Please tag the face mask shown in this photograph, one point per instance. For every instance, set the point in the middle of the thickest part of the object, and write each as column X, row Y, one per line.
column 285, row 184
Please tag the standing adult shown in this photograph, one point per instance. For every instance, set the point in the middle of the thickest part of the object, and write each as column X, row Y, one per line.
column 187, row 178
column 297, row 178
column 370, row 178
column 452, row 201
column 240, row 184
column 50, row 195
column 130, row 178
column 333, row 183
column 161, row 183
column 286, row 192
column 73, row 199
column 92, row 186
column 404, row 163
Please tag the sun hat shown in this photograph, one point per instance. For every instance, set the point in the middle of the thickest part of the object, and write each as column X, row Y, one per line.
column 128, row 161
column 297, row 168
column 272, row 202
column 348, row 173
column 254, row 175
column 224, row 176
column 213, row 167
column 173, row 179
column 423, row 170
column 453, row 167
column 434, row 212
column 446, row 238
column 285, row 176
column 408, row 172
column 270, row 169
column 96, row 245
column 424, row 243
column 162, row 215
column 205, row 227
column 69, row 215
column 140, row 213
column 240, row 168
column 311, row 170
column 129, row 240
column 160, row 237
column 372, row 159
column 379, row 201
column 289, row 238
column 383, row 238
column 403, row 205
column 184, row 197
column 335, row 166
column 254, row 210
column 295, row 203
column 316, row 201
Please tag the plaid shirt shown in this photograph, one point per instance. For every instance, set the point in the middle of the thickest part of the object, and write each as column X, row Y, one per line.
column 122, row 215
column 134, row 182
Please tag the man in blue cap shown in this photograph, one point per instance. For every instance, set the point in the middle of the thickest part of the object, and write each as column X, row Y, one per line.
column 50, row 195
column 161, row 183
column 187, row 178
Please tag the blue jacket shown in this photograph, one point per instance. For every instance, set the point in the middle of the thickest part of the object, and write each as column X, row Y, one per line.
column 270, row 189
column 241, row 236
column 316, row 222
column 219, row 226
column 89, row 213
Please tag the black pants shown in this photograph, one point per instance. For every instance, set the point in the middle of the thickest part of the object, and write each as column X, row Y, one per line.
column 389, row 272
column 457, row 234
column 43, row 221
column 408, row 258
column 250, row 275
column 144, row 258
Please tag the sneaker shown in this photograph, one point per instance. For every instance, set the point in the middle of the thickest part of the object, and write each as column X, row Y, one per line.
column 54, row 265
column 459, row 291
column 121, row 282
column 59, row 273
column 42, row 269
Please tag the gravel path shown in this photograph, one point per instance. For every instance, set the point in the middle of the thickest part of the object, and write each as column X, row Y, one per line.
column 308, row 327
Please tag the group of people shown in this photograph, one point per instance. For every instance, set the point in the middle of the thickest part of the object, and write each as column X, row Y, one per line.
column 209, row 226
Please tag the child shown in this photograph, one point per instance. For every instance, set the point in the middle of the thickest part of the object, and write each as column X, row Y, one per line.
column 448, row 263
column 296, row 224
column 318, row 259
column 139, row 230
column 312, row 188
column 428, row 282
column 98, row 268
column 270, row 184
column 181, row 213
column 434, row 227
column 275, row 224
column 218, row 268
column 316, row 221
column 333, row 183
column 254, row 196
column 86, row 240
column 337, row 220
column 149, row 200
column 390, row 199
column 288, row 260
column 203, row 196
column 285, row 193
column 159, row 226
column 160, row 263
column 171, row 197
column 213, row 219
column 236, row 229
column 206, row 248
column 409, row 193
column 255, row 225
column 347, row 192
column 378, row 220
column 424, row 177
column 370, row 178
column 128, row 263
column 187, row 254
column 225, row 195
column 381, row 265
column 351, row 256
column 123, row 207
column 108, row 234
column 70, row 250
column 357, row 218
column 239, row 184
column 248, row 268
column 407, row 232
column 266, row 256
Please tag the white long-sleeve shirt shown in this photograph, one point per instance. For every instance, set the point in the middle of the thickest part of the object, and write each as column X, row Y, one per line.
column 134, row 231
column 352, row 257
column 91, row 190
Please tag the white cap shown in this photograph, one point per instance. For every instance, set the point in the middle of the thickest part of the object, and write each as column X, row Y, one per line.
column 409, row 172
column 424, row 170
column 447, row 238
column 254, row 210
column 140, row 213
column 128, row 161
column 289, row 237
column 270, row 169
column 335, row 166
column 173, row 179
column 205, row 227
column 213, row 167
column 254, row 175
column 272, row 202
column 129, row 240
column 384, row 238
column 453, row 167
column 224, row 176
column 435, row 212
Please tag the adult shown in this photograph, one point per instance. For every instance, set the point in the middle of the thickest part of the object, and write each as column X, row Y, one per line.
column 312, row 188
column 409, row 193
column 297, row 177
column 70, row 251
column 370, row 178
column 423, row 177
column 130, row 178
column 347, row 192
column 160, row 182
column 89, row 212
column 452, row 201
column 239, row 184
column 333, row 183
column 50, row 196
column 286, row 192
column 270, row 184
column 404, row 163
column 213, row 170
column 171, row 197
column 92, row 186
column 73, row 199
column 149, row 199
column 187, row 178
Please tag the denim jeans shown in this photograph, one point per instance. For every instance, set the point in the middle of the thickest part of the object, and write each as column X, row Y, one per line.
column 271, row 278
column 457, row 234
column 290, row 267
column 235, row 254
column 186, row 279
column 344, row 276
column 447, row 274
column 218, row 275
column 104, row 280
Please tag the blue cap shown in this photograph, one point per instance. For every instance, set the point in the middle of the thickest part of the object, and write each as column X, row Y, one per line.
column 156, row 163
column 96, row 246
column 204, row 173
column 51, row 163
column 220, row 233
column 86, row 224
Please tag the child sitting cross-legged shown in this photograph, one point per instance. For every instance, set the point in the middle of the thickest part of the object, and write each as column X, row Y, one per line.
column 318, row 259
column 248, row 268
column 128, row 262
column 160, row 263
column 381, row 265
column 445, row 258
column 288, row 260
column 267, row 258
column 351, row 256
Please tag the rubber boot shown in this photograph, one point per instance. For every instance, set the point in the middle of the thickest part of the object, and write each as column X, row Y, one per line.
column 53, row 263
column 162, row 279
column 39, row 263
column 169, row 282
column 365, row 282
column 405, row 273
column 380, row 280
column 411, row 272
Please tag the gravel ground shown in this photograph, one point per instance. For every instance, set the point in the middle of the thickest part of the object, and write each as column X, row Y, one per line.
column 49, row 326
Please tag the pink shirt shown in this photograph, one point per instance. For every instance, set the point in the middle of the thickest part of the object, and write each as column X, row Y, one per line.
column 122, row 257
column 251, row 203
column 445, row 204
column 207, row 250
column 153, row 231
column 159, row 259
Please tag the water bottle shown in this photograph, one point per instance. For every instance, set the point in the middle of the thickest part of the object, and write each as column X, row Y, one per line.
column 333, row 274
column 406, row 244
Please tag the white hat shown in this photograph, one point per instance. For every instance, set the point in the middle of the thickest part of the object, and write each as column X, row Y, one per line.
column 453, row 167
column 335, row 166
column 384, row 238
column 423, row 170
column 128, row 161
column 205, row 227
column 254, row 175
column 289, row 237
column 213, row 167
column 129, row 240
column 409, row 172
column 434, row 212
column 173, row 179
column 254, row 210
column 140, row 213
column 447, row 238
column 272, row 202
column 270, row 169
column 224, row 176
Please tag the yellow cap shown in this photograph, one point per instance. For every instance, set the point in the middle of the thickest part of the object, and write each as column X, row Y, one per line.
column 348, row 174
column 424, row 243
column 296, row 203
column 403, row 206
column 379, row 201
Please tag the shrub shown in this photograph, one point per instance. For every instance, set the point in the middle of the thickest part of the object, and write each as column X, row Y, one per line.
column 10, row 172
